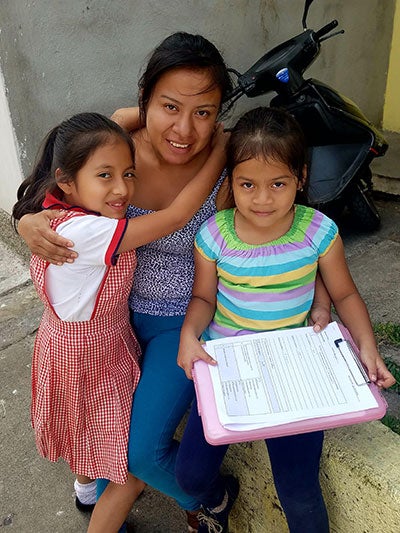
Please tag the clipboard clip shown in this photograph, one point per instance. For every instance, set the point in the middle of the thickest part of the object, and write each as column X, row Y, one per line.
column 356, row 359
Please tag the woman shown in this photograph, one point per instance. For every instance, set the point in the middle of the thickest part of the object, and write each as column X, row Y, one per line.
column 181, row 93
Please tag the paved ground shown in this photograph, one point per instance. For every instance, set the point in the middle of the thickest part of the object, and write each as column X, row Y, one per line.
column 36, row 496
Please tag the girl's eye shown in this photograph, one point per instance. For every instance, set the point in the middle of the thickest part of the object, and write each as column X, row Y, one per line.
column 278, row 185
column 105, row 175
column 247, row 185
column 129, row 175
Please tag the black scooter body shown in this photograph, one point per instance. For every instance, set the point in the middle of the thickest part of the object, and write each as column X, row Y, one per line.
column 341, row 140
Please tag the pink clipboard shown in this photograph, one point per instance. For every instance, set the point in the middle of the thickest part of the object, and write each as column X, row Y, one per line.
column 216, row 434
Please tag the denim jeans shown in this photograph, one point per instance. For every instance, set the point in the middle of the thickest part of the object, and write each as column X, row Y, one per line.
column 295, row 467
column 161, row 399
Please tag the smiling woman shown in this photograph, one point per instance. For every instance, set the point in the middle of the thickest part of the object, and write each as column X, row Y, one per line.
column 181, row 115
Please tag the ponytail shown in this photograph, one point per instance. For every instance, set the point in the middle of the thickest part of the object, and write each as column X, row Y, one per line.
column 33, row 189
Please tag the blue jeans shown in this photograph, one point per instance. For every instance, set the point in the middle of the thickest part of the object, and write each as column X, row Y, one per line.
column 161, row 399
column 295, row 468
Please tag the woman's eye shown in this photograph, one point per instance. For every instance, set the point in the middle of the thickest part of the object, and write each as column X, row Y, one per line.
column 203, row 113
column 170, row 107
column 105, row 175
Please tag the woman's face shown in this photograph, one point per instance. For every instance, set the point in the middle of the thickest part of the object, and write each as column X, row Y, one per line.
column 181, row 115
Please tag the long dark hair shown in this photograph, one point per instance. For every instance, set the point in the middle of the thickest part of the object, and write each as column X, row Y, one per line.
column 267, row 133
column 183, row 50
column 68, row 146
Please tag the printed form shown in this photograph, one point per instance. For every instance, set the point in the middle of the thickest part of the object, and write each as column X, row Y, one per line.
column 272, row 378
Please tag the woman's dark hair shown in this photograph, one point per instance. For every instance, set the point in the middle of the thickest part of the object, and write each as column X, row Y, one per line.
column 67, row 147
column 267, row 133
column 183, row 50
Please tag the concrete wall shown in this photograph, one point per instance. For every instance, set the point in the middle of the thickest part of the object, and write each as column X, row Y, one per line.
column 60, row 57
column 391, row 114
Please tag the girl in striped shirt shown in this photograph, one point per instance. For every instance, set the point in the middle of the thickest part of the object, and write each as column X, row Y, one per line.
column 256, row 266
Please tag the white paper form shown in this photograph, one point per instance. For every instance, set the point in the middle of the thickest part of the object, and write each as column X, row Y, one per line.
column 272, row 378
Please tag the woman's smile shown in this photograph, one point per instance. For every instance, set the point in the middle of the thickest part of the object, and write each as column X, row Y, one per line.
column 179, row 145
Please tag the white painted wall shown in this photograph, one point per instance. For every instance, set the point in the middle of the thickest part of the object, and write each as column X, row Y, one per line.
column 11, row 172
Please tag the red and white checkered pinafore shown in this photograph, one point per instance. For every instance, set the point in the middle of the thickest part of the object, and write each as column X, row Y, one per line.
column 83, row 378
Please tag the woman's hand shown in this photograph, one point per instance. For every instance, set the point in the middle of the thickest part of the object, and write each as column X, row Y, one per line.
column 191, row 350
column 43, row 241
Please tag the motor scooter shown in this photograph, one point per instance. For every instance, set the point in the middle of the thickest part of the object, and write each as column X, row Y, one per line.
column 341, row 140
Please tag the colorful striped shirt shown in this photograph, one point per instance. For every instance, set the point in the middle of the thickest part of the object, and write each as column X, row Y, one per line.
column 268, row 286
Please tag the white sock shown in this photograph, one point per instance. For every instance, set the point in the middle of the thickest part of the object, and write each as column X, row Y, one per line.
column 85, row 492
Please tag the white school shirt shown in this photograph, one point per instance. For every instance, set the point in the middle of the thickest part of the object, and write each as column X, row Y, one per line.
column 72, row 288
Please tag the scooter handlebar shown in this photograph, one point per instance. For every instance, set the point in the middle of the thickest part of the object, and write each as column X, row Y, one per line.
column 325, row 29
column 295, row 55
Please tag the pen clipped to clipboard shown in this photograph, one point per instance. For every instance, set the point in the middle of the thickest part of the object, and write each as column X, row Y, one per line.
column 353, row 363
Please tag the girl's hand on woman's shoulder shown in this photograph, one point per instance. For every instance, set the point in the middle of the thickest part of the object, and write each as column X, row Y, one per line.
column 220, row 137
column 128, row 118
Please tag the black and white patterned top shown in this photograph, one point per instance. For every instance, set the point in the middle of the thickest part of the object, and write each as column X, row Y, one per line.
column 163, row 279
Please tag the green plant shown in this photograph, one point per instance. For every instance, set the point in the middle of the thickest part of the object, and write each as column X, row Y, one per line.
column 387, row 332
column 392, row 423
column 395, row 370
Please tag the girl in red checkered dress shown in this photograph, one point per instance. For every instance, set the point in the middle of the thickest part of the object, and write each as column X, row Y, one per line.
column 85, row 364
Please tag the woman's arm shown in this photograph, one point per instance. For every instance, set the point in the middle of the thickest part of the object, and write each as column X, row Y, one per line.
column 43, row 241
column 128, row 118
column 147, row 228
column 353, row 312
column 199, row 314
